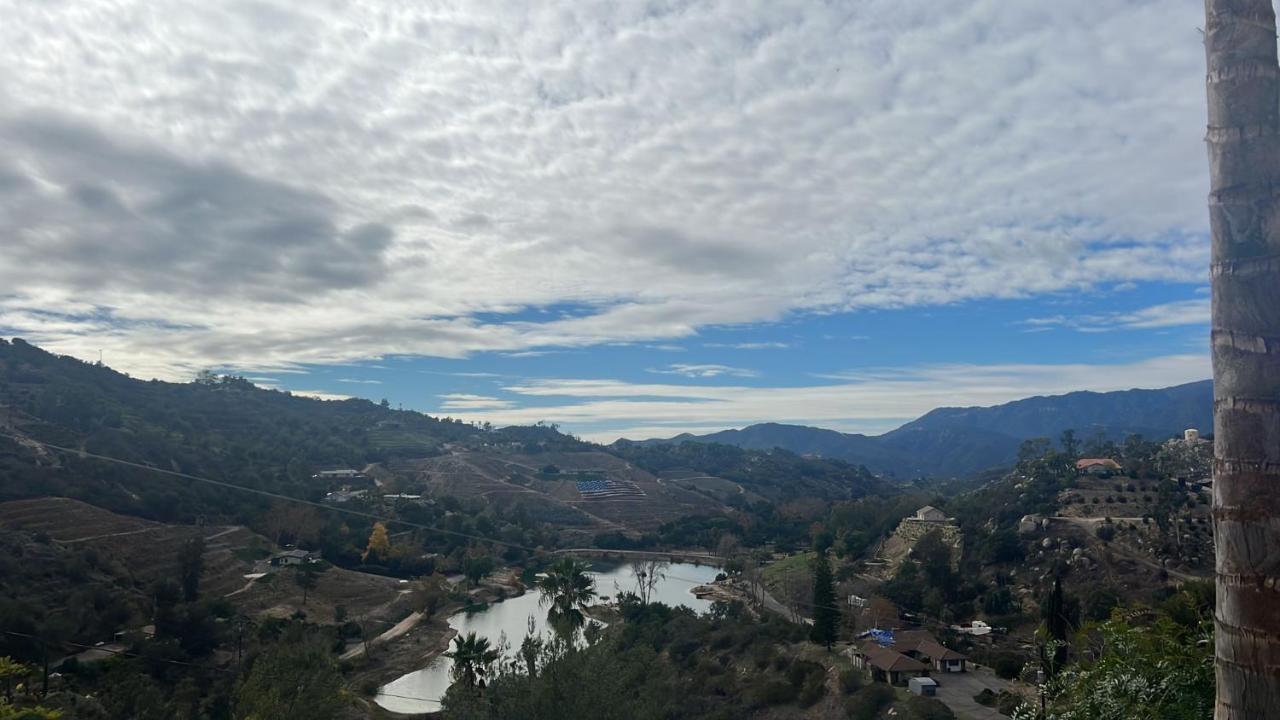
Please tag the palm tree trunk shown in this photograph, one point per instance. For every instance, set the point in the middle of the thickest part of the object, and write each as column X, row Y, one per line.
column 1243, row 85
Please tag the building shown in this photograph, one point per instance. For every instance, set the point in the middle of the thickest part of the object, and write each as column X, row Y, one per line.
column 926, row 686
column 887, row 665
column 1097, row 466
column 294, row 557
column 930, row 514
column 344, row 496
column 344, row 474
column 920, row 645
column 909, row 532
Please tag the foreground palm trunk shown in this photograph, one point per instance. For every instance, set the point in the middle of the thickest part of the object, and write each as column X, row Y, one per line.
column 1244, row 166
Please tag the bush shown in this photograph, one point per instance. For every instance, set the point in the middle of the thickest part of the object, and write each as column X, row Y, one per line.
column 1007, row 666
column 924, row 708
column 986, row 697
column 774, row 692
column 814, row 688
column 1106, row 532
column 800, row 671
column 867, row 703
column 850, row 681
column 1007, row 702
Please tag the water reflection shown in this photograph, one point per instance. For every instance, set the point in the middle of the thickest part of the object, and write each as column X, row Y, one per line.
column 420, row 691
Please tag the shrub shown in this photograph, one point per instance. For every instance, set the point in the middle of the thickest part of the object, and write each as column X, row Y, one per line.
column 867, row 703
column 924, row 708
column 1007, row 666
column 774, row 692
column 986, row 697
column 813, row 690
column 801, row 670
column 850, row 681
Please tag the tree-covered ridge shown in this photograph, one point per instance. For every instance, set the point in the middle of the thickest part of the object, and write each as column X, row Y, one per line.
column 777, row 473
column 225, row 428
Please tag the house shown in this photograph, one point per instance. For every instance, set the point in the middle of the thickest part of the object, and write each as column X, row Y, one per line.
column 920, row 645
column 294, row 557
column 925, row 686
column 887, row 665
column 344, row 496
column 929, row 513
column 344, row 474
column 1097, row 466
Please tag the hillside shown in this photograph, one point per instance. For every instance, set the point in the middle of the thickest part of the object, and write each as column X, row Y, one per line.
column 229, row 430
column 959, row 442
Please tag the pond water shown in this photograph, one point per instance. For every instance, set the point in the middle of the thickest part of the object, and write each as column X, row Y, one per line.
column 419, row 691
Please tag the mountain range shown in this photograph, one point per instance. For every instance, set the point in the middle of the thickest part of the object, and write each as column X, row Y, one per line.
column 952, row 442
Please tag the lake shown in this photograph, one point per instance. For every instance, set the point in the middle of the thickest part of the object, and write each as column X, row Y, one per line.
column 420, row 691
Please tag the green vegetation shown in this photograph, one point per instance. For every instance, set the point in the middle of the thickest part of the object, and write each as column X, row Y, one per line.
column 1142, row 664
column 658, row 662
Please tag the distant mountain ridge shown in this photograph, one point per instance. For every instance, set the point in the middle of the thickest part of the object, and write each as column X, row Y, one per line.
column 958, row 442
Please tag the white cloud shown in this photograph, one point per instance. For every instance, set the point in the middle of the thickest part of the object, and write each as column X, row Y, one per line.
column 355, row 381
column 1172, row 314
column 464, row 401
column 321, row 395
column 870, row 401
column 750, row 345
column 254, row 185
column 692, row 370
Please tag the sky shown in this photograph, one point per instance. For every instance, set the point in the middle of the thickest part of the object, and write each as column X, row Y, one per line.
column 633, row 219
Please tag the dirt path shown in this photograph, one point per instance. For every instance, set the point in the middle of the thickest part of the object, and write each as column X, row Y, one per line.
column 217, row 535
column 394, row 632
column 111, row 535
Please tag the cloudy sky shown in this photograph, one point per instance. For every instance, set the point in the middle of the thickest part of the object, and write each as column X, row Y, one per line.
column 632, row 218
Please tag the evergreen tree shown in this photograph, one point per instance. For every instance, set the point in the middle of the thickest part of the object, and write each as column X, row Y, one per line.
column 1057, row 628
column 826, row 613
column 190, row 565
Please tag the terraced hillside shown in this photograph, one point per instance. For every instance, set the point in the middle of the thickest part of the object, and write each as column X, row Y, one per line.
column 136, row 552
column 565, row 488
column 146, row 550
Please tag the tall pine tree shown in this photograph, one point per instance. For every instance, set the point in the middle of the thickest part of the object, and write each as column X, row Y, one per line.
column 826, row 612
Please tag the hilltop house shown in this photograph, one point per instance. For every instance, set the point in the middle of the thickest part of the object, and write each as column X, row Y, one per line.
column 930, row 514
column 911, row 529
column 1097, row 466
column 294, row 557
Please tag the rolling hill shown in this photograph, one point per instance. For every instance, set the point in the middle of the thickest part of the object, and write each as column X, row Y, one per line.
column 957, row 442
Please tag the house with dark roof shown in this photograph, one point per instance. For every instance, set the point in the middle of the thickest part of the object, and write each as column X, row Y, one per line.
column 922, row 646
column 886, row 664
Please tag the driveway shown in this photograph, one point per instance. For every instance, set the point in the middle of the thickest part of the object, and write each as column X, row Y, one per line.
column 957, row 691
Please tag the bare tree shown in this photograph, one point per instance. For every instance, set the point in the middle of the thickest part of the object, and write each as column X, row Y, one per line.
column 1243, row 84
column 648, row 574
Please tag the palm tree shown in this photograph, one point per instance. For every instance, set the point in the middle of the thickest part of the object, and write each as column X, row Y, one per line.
column 568, row 589
column 1243, row 83
column 472, row 658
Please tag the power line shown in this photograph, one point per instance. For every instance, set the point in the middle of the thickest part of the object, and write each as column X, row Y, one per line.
column 123, row 653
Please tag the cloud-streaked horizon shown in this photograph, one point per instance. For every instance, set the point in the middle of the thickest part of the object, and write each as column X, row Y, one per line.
column 270, row 186
column 868, row 401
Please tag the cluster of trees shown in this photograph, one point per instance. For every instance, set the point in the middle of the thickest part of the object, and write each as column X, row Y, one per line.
column 1140, row 663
